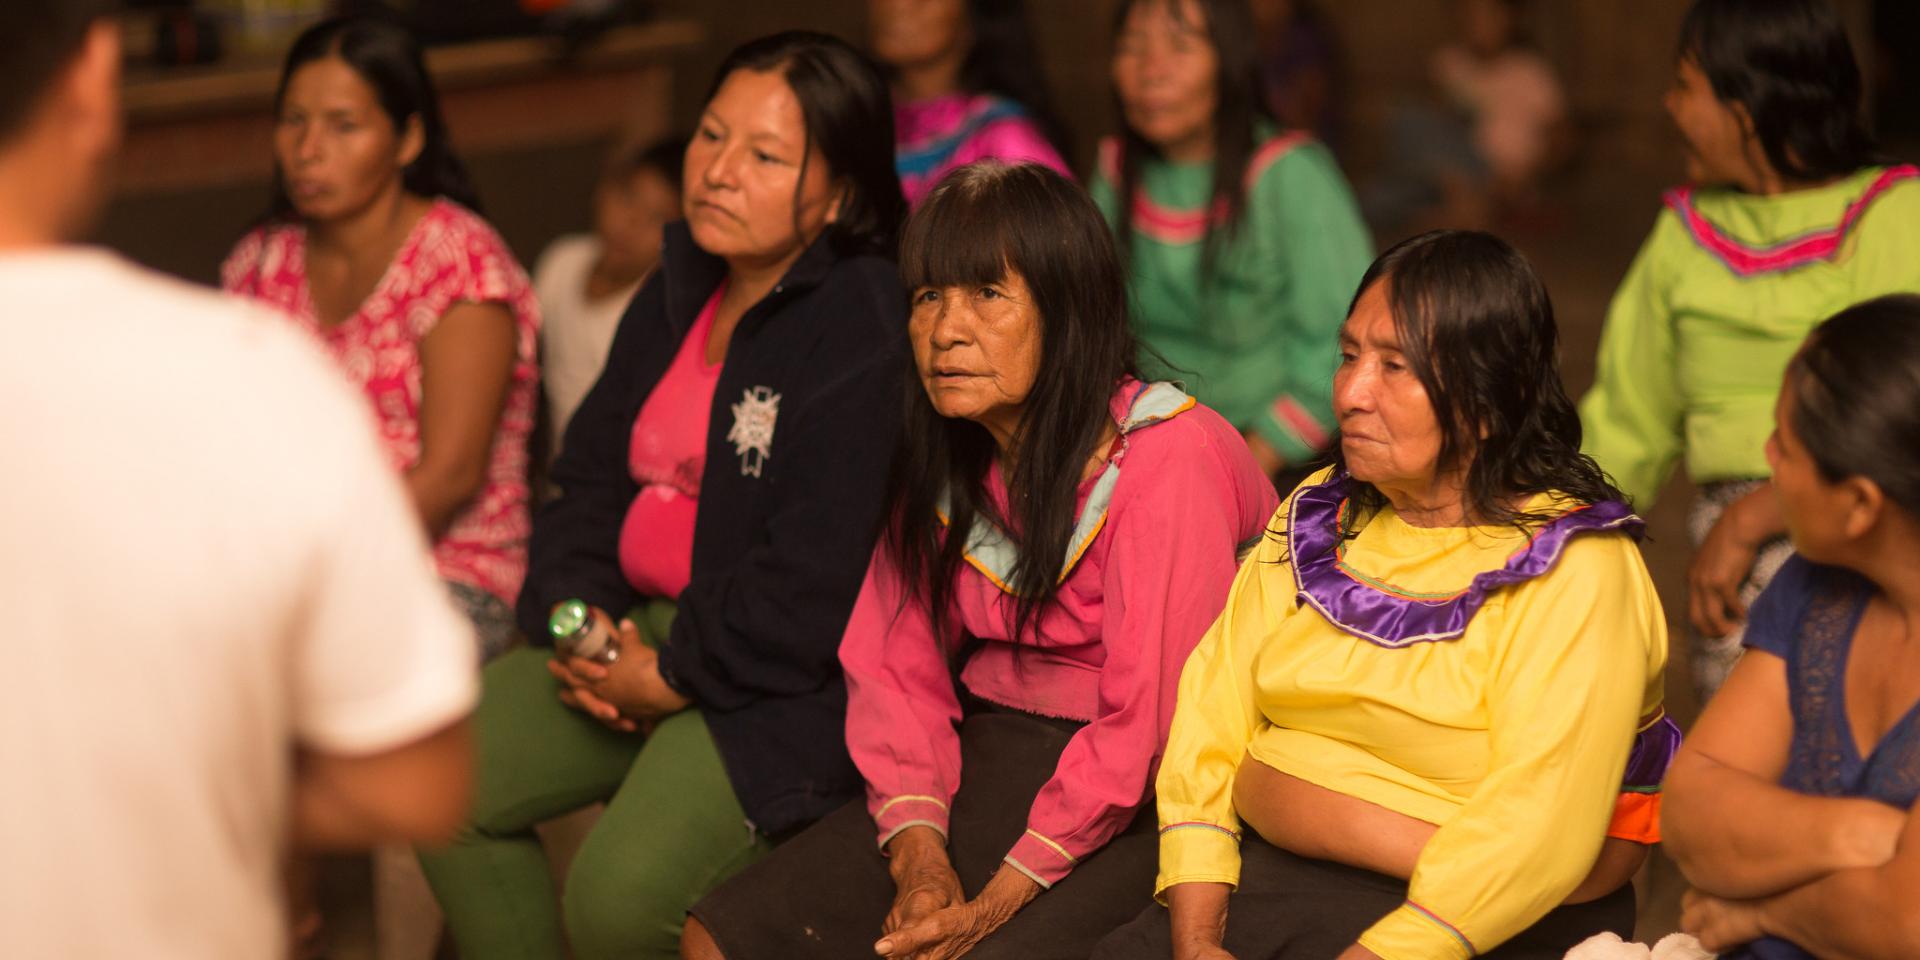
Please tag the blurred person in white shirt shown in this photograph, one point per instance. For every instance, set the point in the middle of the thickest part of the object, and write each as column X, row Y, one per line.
column 226, row 640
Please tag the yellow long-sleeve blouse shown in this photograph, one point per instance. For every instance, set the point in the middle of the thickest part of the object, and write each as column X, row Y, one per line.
column 1512, row 737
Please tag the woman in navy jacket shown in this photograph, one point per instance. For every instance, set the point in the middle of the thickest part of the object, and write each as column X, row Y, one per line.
column 735, row 549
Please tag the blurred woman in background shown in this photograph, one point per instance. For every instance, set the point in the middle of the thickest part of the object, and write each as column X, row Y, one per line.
column 373, row 242
column 1789, row 218
column 1242, row 240
column 967, row 85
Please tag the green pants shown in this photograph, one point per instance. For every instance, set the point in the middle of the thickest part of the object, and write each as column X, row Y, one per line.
column 672, row 831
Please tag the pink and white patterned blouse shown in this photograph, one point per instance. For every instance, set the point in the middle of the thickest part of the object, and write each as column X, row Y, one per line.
column 451, row 257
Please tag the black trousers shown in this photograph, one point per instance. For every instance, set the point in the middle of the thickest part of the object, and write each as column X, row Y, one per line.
column 826, row 892
column 1290, row 907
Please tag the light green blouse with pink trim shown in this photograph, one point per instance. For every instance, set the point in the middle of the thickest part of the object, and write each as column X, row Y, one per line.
column 1256, row 339
column 1720, row 296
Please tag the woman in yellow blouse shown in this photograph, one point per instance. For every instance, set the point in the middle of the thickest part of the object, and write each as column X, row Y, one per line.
column 1435, row 692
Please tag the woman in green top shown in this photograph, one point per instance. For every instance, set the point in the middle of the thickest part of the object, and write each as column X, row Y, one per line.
column 1244, row 243
column 1788, row 220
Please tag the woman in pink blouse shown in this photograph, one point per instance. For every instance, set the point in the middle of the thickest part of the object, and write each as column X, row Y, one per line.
column 373, row 244
column 1061, row 535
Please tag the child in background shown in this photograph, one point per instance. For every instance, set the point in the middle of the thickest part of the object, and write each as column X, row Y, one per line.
column 584, row 280
column 1508, row 92
column 1480, row 152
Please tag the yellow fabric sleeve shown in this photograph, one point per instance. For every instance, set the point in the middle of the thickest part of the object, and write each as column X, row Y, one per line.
column 1567, row 684
column 1633, row 417
column 1216, row 718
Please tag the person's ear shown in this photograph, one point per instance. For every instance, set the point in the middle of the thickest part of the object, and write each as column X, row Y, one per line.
column 838, row 202
column 1750, row 146
column 413, row 140
column 1863, row 504
column 1743, row 117
column 92, row 92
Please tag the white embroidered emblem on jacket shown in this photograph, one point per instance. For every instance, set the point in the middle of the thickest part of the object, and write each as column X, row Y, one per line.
column 752, row 433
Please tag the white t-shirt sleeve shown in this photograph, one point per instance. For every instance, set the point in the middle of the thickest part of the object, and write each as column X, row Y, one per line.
column 381, row 658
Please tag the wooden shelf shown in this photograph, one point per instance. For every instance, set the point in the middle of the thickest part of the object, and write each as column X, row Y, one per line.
column 205, row 127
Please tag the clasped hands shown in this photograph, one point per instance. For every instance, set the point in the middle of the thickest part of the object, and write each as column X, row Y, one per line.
column 932, row 919
column 625, row 695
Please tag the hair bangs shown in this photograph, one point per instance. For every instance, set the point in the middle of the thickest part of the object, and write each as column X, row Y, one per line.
column 982, row 222
column 960, row 237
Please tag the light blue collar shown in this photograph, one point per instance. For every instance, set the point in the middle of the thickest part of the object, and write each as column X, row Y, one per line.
column 990, row 551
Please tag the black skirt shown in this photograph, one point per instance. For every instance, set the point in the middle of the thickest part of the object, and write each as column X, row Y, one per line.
column 826, row 892
column 1290, row 907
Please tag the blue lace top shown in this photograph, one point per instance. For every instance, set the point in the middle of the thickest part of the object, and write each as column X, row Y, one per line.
column 1807, row 617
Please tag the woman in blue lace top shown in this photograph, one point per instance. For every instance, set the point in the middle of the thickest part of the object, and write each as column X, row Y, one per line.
column 1813, row 745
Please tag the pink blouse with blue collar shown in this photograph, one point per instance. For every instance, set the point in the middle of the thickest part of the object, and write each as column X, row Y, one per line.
column 1154, row 552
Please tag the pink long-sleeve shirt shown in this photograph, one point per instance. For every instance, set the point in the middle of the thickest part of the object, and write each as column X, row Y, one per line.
column 1141, row 591
column 934, row 137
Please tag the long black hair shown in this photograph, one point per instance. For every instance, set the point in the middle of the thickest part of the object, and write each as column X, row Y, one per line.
column 982, row 221
column 849, row 117
column 1789, row 64
column 1477, row 329
column 386, row 55
column 1004, row 60
column 1238, row 109
column 1856, row 396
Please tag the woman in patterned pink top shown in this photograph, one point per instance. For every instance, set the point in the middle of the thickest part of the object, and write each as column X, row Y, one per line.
column 372, row 243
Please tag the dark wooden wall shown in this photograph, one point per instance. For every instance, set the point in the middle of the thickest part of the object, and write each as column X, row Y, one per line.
column 1614, row 55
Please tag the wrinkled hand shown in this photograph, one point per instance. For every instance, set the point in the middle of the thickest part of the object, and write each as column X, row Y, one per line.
column 1203, row 953
column 623, row 694
column 951, row 932
column 1720, row 924
column 923, row 888
column 1726, row 558
column 941, row 935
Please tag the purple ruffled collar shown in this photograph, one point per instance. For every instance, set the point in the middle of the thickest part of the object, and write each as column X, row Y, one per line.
column 1372, row 612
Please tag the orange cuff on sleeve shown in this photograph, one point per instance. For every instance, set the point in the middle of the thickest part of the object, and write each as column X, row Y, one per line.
column 1636, row 817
